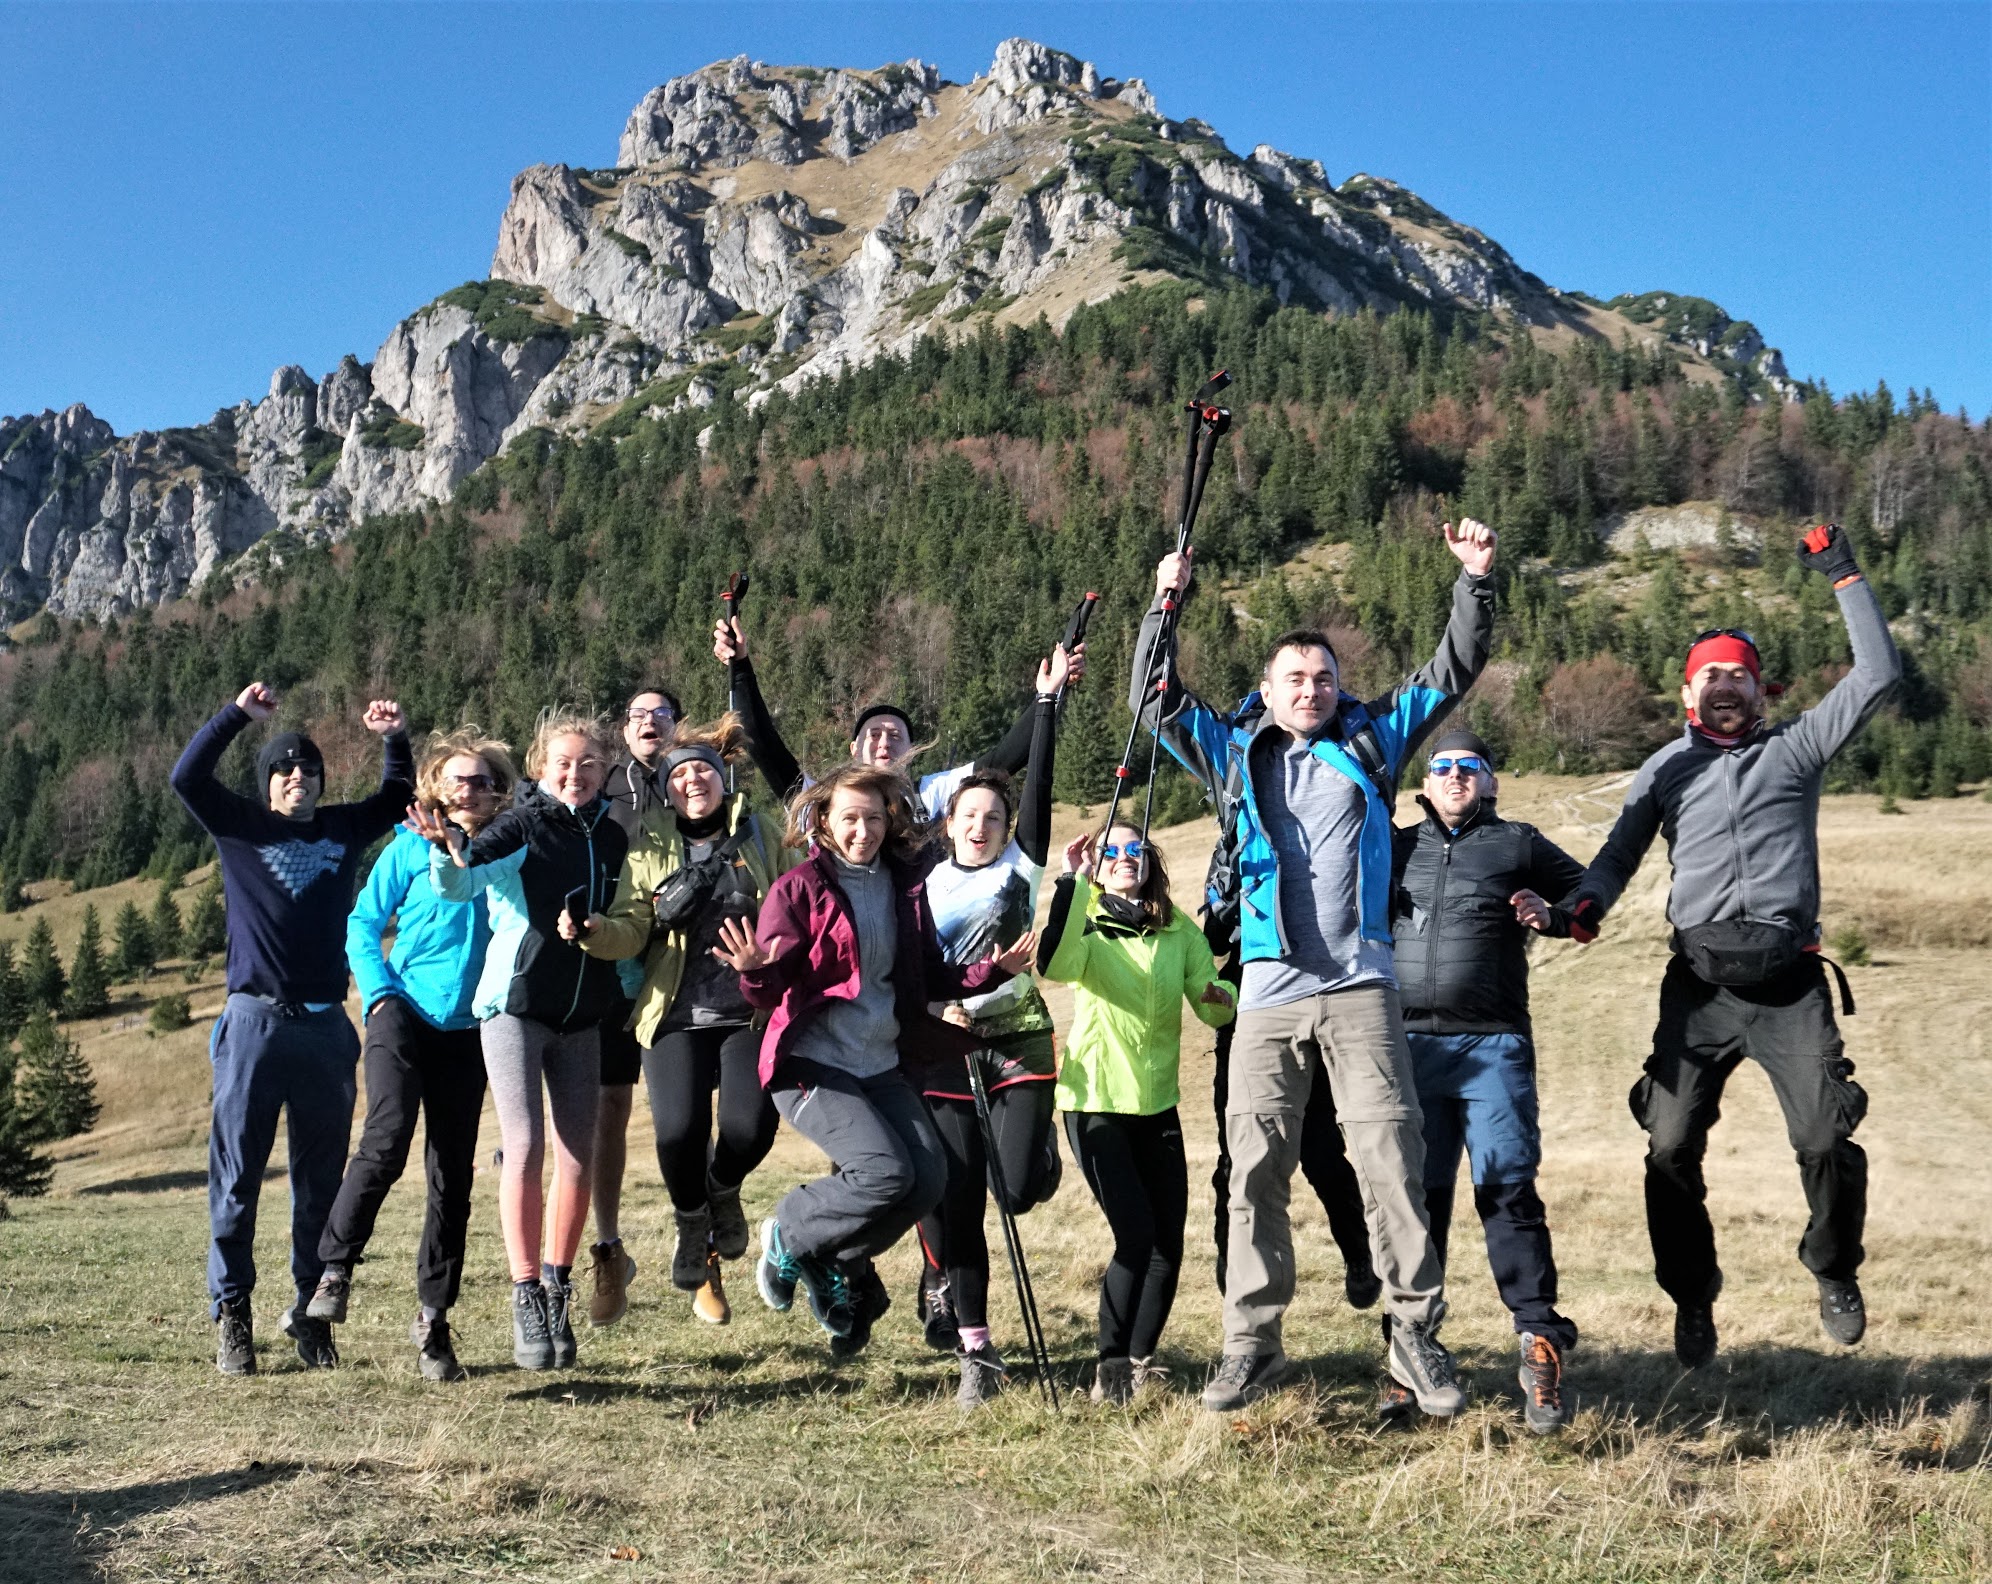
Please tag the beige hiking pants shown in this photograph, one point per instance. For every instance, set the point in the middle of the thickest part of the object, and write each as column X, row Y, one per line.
column 1359, row 1034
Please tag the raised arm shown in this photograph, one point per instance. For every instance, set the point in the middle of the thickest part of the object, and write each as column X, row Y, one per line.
column 498, row 849
column 381, row 811
column 1034, row 818
column 743, row 694
column 1196, row 736
column 1063, row 944
column 1826, row 728
column 1405, row 715
column 219, row 810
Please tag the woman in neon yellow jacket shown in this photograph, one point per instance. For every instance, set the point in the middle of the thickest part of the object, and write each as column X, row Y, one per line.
column 1132, row 959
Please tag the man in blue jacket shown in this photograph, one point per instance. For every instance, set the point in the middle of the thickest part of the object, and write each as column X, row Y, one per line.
column 1309, row 773
column 282, row 1045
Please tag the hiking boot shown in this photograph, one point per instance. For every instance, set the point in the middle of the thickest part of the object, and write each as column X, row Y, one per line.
column 1362, row 1285
column 1694, row 1334
column 1419, row 1361
column 532, row 1340
column 729, row 1221
column 983, row 1375
column 235, row 1338
column 777, row 1272
column 560, row 1321
column 1243, row 1378
column 1395, row 1406
column 1148, row 1373
column 869, row 1302
column 688, row 1259
column 709, row 1302
column 937, row 1313
column 1542, row 1385
column 1113, row 1382
column 1841, row 1311
column 829, row 1291
column 313, row 1339
column 434, row 1356
column 328, row 1303
column 611, row 1269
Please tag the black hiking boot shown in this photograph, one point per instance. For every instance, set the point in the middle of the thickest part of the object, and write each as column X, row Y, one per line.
column 560, row 1321
column 937, row 1314
column 1694, row 1334
column 1243, row 1378
column 434, row 1355
column 1362, row 1285
column 313, row 1339
column 532, row 1342
column 1841, row 1310
column 235, row 1338
column 983, row 1375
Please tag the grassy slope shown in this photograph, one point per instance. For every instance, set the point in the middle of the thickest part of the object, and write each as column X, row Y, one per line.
column 739, row 1454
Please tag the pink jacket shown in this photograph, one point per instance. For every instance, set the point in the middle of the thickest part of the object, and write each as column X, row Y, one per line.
column 806, row 921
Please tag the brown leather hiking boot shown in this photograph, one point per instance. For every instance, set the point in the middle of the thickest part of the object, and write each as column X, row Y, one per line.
column 709, row 1302
column 611, row 1270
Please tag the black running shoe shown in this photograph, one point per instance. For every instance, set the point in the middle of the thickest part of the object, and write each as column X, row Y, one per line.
column 1362, row 1285
column 235, row 1338
column 434, row 1356
column 937, row 1312
column 1694, row 1334
column 829, row 1291
column 1841, row 1310
column 869, row 1302
column 313, row 1339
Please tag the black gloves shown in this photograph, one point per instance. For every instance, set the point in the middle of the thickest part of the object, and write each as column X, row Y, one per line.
column 1825, row 549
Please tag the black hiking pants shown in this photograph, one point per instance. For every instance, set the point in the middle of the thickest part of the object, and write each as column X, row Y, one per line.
column 952, row 1235
column 1786, row 1026
column 414, row 1071
column 1136, row 1169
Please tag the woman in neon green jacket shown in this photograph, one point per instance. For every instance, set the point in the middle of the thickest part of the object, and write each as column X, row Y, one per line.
column 1132, row 959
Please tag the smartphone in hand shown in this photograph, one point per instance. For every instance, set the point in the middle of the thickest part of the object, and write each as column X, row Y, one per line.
column 577, row 907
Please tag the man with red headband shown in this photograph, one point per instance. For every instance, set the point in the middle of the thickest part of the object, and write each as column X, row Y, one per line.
column 1738, row 800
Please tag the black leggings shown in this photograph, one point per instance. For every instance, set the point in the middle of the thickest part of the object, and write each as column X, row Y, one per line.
column 951, row 1234
column 680, row 1071
column 1136, row 1169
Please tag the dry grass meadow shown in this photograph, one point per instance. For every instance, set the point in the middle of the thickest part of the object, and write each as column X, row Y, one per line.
column 674, row 1451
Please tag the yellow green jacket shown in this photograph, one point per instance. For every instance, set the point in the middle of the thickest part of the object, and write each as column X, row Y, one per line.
column 1128, row 990
column 628, row 929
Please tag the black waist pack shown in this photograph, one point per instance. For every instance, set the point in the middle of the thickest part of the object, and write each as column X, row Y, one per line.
column 681, row 896
column 1739, row 951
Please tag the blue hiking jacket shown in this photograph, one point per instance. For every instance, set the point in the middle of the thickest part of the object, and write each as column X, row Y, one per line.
column 438, row 949
column 1219, row 750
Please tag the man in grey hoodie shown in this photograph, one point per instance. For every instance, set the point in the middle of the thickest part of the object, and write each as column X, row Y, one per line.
column 1738, row 801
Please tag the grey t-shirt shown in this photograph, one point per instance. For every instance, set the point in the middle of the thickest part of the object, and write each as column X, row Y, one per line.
column 861, row 1037
column 1313, row 814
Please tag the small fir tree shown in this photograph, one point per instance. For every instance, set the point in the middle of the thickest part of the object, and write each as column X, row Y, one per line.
column 132, row 951
column 13, row 995
column 41, row 969
column 24, row 1171
column 164, row 923
column 53, row 1085
column 207, row 924
column 89, row 993
column 12, row 897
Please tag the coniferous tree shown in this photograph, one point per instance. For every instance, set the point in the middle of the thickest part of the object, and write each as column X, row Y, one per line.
column 207, row 924
column 53, row 1085
column 13, row 994
column 41, row 969
column 24, row 1171
column 132, row 951
column 89, row 993
column 164, row 924
column 12, row 897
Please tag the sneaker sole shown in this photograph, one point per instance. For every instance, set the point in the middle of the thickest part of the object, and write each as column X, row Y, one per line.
column 332, row 1312
column 533, row 1361
column 724, row 1317
column 237, row 1370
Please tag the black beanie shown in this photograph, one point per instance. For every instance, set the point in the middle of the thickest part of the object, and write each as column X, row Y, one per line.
column 1460, row 740
column 867, row 713
column 285, row 745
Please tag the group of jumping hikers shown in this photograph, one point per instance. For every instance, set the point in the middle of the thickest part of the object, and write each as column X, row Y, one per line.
column 863, row 973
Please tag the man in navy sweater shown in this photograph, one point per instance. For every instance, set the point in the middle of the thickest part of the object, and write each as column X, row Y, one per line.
column 282, row 1044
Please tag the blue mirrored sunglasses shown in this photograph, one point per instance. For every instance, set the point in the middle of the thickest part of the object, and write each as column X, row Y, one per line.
column 1472, row 764
column 1133, row 849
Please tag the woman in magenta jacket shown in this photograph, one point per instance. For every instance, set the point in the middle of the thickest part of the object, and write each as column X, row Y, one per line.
column 845, row 960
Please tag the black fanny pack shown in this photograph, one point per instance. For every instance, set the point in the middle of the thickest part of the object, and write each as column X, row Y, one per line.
column 681, row 896
column 1739, row 951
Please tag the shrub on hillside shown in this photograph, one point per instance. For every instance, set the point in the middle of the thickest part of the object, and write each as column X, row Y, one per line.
column 169, row 1014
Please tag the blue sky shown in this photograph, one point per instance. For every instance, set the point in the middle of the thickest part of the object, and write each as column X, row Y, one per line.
column 193, row 195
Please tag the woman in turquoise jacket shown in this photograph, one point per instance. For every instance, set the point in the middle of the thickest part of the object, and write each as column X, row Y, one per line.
column 1132, row 959
column 422, row 1055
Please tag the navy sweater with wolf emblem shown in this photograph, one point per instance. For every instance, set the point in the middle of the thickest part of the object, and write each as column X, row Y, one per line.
column 289, row 883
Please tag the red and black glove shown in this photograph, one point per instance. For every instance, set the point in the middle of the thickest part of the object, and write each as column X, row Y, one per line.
column 1586, row 919
column 1825, row 549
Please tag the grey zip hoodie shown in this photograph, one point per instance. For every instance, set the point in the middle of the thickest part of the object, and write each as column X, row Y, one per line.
column 1742, row 823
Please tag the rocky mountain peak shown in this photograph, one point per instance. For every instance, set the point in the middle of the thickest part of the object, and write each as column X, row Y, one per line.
column 763, row 226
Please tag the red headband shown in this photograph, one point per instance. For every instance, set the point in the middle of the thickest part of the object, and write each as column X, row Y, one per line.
column 1723, row 649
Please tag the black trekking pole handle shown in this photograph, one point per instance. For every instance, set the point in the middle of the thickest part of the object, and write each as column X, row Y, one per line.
column 1075, row 635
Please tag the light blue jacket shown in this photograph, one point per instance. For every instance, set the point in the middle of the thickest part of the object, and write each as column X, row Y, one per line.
column 438, row 949
column 1218, row 750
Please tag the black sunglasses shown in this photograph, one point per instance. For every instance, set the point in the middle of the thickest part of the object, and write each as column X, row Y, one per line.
column 286, row 765
column 1722, row 632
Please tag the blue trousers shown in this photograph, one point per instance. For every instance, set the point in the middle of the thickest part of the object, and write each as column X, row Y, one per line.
column 267, row 1065
column 1478, row 1095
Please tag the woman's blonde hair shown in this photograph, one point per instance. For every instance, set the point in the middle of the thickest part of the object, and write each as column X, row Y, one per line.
column 442, row 747
column 567, row 720
column 726, row 737
column 904, row 833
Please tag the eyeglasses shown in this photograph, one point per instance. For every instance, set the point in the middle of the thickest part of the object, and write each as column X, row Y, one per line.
column 1130, row 850
column 662, row 713
column 474, row 783
column 1465, row 764
column 286, row 766
column 1722, row 632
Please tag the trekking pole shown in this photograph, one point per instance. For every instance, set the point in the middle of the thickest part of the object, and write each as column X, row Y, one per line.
column 1206, row 422
column 1075, row 633
column 729, row 602
column 1013, row 1243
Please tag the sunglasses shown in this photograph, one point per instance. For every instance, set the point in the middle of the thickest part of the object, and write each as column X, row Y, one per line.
column 474, row 783
column 1129, row 850
column 1722, row 632
column 662, row 713
column 286, row 766
column 1466, row 764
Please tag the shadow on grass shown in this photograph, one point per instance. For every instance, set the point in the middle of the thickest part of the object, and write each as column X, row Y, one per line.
column 56, row 1536
column 163, row 1182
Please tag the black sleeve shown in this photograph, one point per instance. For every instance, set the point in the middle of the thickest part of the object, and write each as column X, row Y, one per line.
column 1013, row 752
column 1054, row 924
column 220, row 811
column 1034, row 819
column 1554, row 876
column 504, row 836
column 375, row 816
column 764, row 742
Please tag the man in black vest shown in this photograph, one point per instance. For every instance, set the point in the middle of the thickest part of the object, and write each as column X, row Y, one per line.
column 1468, row 888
